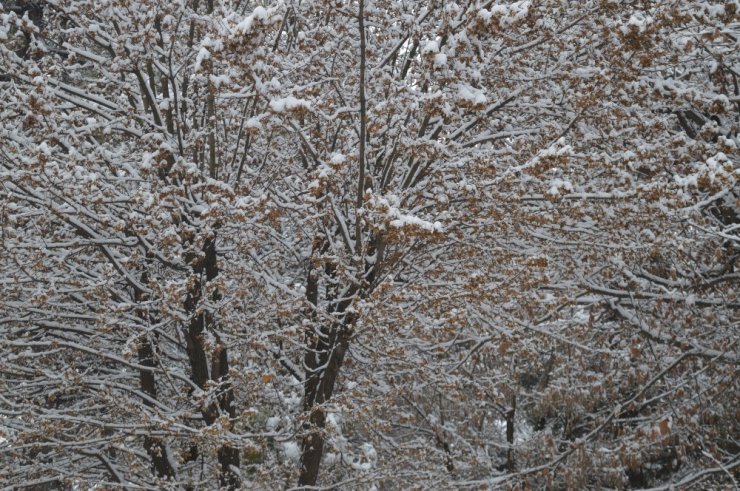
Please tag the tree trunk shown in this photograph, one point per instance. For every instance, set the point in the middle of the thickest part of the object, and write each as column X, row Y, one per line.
column 510, row 414
column 228, row 457
column 323, row 361
column 155, row 447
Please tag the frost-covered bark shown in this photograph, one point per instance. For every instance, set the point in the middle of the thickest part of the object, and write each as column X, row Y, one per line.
column 370, row 243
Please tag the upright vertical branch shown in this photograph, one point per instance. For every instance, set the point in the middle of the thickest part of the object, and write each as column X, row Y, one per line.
column 211, row 121
column 325, row 350
column 363, row 131
column 211, row 118
column 510, row 415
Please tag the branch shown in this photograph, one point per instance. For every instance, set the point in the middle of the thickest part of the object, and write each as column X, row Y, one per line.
column 363, row 131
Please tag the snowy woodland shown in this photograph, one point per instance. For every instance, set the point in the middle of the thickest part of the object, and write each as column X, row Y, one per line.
column 369, row 244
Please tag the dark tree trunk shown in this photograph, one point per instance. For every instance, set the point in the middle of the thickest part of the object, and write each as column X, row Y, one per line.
column 510, row 414
column 323, row 359
column 155, row 447
column 228, row 456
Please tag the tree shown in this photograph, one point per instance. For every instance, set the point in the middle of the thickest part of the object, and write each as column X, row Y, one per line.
column 390, row 244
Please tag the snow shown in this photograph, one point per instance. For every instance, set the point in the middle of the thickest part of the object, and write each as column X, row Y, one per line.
column 369, row 451
column 388, row 207
column 430, row 47
column 506, row 14
column 727, row 141
column 203, row 54
column 471, row 94
column 292, row 451
column 245, row 26
column 715, row 10
column 253, row 123
column 639, row 21
column 288, row 104
column 440, row 59
column 485, row 14
column 325, row 171
column 333, row 421
column 215, row 45
column 330, row 458
column 404, row 220
column 219, row 80
column 557, row 184
column 554, row 151
column 367, row 460
column 44, row 149
column 715, row 168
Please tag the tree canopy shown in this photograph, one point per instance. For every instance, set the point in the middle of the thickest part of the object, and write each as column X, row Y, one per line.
column 369, row 244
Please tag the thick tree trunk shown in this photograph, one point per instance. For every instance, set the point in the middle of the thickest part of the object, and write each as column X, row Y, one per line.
column 325, row 350
column 228, row 456
column 155, row 447
column 323, row 363
column 323, row 359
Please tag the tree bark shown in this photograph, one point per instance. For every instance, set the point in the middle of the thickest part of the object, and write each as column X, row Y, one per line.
column 200, row 322
column 323, row 361
column 155, row 447
column 325, row 350
column 510, row 415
